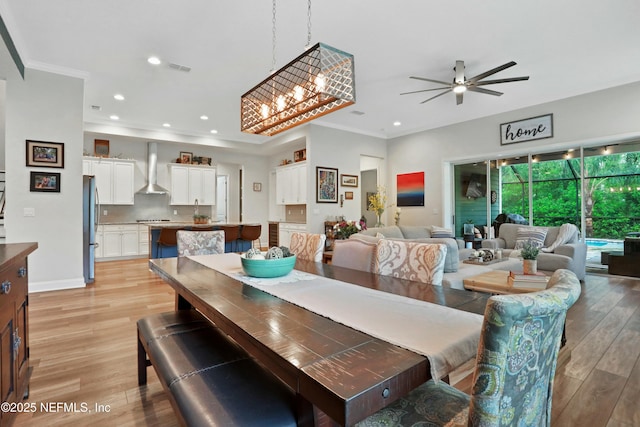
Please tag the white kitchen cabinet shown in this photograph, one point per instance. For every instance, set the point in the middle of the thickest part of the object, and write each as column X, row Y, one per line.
column 114, row 179
column 99, row 241
column 189, row 183
column 143, row 239
column 285, row 230
column 291, row 184
column 119, row 240
column 123, row 191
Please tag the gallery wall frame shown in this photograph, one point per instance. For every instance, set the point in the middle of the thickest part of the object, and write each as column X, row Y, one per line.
column 45, row 154
column 47, row 182
column 326, row 185
column 348, row 180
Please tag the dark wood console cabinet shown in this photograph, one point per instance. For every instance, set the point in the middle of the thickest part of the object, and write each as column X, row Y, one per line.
column 14, row 325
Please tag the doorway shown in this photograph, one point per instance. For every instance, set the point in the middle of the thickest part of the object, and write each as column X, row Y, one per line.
column 222, row 189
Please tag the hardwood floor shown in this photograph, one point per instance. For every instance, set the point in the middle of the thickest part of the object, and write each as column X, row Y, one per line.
column 83, row 351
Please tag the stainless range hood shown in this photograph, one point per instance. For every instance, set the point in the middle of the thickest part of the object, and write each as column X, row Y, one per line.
column 152, row 186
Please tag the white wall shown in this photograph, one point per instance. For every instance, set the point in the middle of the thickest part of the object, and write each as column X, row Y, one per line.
column 595, row 118
column 333, row 148
column 46, row 107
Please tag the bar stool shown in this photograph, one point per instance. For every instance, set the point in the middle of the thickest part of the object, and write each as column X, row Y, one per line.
column 167, row 238
column 231, row 235
column 251, row 233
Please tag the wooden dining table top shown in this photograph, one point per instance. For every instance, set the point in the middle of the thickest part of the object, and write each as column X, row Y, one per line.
column 344, row 373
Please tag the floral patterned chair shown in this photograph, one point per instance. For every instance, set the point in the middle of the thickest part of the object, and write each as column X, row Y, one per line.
column 200, row 242
column 515, row 366
column 420, row 262
column 307, row 246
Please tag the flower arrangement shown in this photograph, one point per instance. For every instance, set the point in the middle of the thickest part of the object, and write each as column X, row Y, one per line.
column 378, row 201
column 529, row 250
column 344, row 229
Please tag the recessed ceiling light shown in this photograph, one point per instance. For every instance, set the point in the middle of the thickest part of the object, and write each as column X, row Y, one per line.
column 114, row 117
column 214, row 131
column 167, row 125
column 119, row 97
column 154, row 60
column 204, row 118
column 396, row 123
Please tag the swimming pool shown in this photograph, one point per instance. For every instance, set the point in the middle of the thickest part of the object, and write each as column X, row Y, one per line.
column 604, row 243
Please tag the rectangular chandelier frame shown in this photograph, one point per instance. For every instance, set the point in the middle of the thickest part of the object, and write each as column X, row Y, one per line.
column 318, row 82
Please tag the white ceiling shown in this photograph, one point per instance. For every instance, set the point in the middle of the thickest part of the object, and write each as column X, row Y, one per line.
column 567, row 48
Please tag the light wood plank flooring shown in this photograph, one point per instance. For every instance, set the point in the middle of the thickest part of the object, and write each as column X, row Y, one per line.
column 83, row 350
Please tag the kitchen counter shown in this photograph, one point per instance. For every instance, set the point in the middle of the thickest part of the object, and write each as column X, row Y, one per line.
column 168, row 252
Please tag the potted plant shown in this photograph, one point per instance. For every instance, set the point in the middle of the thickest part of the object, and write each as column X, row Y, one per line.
column 529, row 254
column 200, row 219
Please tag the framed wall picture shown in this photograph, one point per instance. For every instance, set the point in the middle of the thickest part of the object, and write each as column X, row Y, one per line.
column 101, row 147
column 45, row 181
column 348, row 195
column 326, row 185
column 300, row 155
column 349, row 180
column 257, row 186
column 410, row 189
column 45, row 154
column 186, row 157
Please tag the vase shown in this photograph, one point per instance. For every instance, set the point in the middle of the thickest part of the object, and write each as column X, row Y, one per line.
column 379, row 221
column 529, row 266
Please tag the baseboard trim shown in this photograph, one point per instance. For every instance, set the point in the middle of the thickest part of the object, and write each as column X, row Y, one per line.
column 56, row 285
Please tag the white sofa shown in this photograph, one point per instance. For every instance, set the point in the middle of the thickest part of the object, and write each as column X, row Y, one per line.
column 568, row 252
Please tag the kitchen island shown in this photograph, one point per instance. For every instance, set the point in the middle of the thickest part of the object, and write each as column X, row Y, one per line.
column 168, row 252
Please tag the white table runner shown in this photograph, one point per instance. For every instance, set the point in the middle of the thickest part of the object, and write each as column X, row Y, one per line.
column 446, row 336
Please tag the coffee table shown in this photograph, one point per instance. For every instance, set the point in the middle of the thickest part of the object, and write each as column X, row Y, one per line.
column 495, row 282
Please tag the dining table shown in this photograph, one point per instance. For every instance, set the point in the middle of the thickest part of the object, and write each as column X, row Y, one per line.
column 341, row 372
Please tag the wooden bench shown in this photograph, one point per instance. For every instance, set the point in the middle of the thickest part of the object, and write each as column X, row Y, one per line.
column 209, row 378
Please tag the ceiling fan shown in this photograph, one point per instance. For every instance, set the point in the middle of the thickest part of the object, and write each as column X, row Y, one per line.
column 461, row 84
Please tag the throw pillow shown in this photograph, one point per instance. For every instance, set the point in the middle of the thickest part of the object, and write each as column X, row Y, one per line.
column 440, row 233
column 535, row 234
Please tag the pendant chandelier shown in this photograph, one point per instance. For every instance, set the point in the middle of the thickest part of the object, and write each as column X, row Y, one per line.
column 318, row 82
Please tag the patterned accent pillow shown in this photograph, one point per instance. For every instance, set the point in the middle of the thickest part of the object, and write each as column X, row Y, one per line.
column 535, row 234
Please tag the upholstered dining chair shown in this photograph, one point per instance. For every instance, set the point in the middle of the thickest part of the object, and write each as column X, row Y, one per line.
column 515, row 366
column 354, row 254
column 307, row 246
column 420, row 262
column 200, row 242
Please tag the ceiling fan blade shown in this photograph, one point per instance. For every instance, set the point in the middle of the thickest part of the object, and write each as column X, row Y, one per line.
column 492, row 71
column 507, row 80
column 431, row 80
column 459, row 98
column 483, row 90
column 434, row 97
column 459, row 72
column 424, row 90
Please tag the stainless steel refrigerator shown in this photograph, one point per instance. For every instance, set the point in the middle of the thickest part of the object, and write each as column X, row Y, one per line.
column 90, row 217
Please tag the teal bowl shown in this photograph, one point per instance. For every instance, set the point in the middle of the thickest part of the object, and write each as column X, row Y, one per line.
column 265, row 268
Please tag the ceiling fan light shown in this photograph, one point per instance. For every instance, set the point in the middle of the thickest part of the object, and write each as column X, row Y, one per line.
column 459, row 88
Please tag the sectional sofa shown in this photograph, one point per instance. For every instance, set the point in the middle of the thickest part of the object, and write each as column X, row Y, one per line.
column 571, row 255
